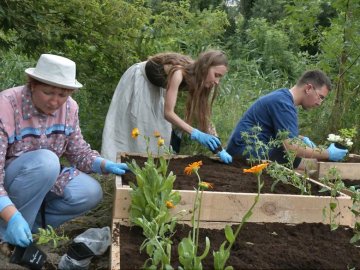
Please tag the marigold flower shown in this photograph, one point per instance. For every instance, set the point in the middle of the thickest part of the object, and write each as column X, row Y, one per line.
column 161, row 141
column 157, row 134
column 256, row 169
column 135, row 133
column 192, row 167
column 169, row 204
column 206, row 185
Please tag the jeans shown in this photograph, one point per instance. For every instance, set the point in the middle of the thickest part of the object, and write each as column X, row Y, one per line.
column 28, row 181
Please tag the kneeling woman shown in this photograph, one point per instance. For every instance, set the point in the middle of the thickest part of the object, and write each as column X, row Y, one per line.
column 38, row 125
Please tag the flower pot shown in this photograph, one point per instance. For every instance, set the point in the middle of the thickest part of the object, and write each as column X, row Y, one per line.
column 340, row 146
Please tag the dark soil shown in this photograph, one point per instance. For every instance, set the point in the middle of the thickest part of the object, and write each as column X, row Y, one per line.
column 355, row 159
column 262, row 246
column 355, row 183
column 259, row 246
column 226, row 178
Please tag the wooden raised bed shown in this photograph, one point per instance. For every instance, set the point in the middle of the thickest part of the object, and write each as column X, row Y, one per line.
column 348, row 170
column 221, row 208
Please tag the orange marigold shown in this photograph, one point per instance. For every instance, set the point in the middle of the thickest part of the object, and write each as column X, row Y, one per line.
column 157, row 134
column 256, row 169
column 169, row 204
column 135, row 133
column 192, row 167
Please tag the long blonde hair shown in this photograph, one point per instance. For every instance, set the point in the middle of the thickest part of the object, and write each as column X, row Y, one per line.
column 200, row 98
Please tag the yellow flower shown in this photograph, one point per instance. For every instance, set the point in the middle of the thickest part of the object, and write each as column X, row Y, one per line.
column 256, row 169
column 157, row 134
column 206, row 185
column 161, row 141
column 169, row 204
column 192, row 167
column 135, row 133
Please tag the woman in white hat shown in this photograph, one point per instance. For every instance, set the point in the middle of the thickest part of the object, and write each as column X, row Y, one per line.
column 146, row 95
column 38, row 125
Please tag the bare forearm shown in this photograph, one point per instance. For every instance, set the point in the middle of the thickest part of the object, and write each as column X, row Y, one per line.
column 174, row 119
column 306, row 152
column 7, row 212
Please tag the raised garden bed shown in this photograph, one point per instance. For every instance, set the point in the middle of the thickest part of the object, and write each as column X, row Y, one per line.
column 261, row 246
column 348, row 169
column 232, row 196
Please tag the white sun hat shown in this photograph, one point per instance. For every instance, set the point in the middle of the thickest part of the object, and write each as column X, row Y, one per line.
column 55, row 70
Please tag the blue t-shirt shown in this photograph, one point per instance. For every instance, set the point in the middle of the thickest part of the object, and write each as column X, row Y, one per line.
column 273, row 112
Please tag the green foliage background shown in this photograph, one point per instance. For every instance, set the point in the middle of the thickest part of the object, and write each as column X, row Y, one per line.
column 269, row 44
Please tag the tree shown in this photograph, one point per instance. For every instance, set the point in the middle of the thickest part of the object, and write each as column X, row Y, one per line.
column 271, row 10
column 105, row 37
column 338, row 55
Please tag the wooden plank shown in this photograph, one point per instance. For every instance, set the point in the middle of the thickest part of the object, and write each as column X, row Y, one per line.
column 115, row 246
column 231, row 207
column 349, row 171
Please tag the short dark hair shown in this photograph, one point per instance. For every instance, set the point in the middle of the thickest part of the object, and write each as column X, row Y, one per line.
column 316, row 77
column 32, row 81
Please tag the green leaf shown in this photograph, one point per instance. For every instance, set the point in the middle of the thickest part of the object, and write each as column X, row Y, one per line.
column 207, row 248
column 355, row 238
column 229, row 234
column 333, row 206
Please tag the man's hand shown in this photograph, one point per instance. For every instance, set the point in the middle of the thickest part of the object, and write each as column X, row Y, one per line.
column 336, row 154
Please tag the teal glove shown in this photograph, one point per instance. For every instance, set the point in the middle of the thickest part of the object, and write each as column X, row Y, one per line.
column 18, row 232
column 336, row 154
column 308, row 142
column 205, row 139
column 224, row 156
column 115, row 168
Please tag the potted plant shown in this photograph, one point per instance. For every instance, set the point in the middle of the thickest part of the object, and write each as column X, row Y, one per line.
column 343, row 140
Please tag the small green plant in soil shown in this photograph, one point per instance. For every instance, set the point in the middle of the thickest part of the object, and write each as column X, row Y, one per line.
column 344, row 138
column 222, row 255
column 355, row 209
column 333, row 179
column 152, row 197
column 284, row 173
column 188, row 247
column 47, row 235
column 256, row 149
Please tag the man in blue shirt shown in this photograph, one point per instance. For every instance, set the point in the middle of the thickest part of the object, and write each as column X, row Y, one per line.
column 276, row 112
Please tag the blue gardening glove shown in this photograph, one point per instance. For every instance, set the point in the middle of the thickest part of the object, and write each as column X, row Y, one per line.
column 308, row 142
column 224, row 156
column 336, row 154
column 205, row 139
column 18, row 232
column 115, row 168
